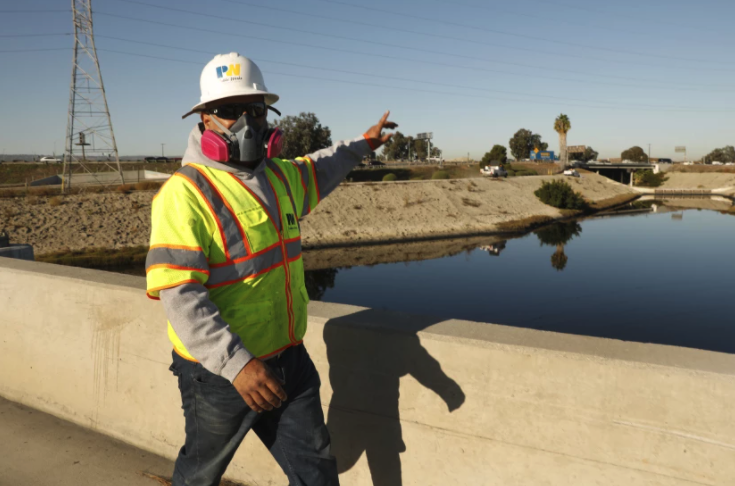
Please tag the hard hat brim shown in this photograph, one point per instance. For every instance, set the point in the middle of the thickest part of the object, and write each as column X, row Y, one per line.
column 270, row 99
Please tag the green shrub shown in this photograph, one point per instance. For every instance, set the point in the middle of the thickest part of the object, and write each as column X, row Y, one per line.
column 560, row 195
column 389, row 177
column 647, row 178
column 440, row 174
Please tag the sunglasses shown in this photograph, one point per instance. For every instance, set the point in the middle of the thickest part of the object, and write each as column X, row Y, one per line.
column 233, row 111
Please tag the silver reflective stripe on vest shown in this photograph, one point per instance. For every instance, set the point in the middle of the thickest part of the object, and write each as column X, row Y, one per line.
column 248, row 268
column 177, row 257
column 304, row 169
column 277, row 170
column 293, row 249
column 234, row 239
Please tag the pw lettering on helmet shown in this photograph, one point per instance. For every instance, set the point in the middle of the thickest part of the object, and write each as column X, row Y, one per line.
column 233, row 70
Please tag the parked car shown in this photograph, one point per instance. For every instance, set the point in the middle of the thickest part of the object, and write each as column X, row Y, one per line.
column 51, row 160
column 730, row 163
column 494, row 171
column 665, row 161
column 435, row 159
column 716, row 162
column 572, row 173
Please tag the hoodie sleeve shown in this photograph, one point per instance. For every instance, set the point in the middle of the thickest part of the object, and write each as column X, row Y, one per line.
column 199, row 325
column 323, row 170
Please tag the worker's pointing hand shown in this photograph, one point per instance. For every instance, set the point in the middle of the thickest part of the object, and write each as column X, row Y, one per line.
column 259, row 387
column 375, row 135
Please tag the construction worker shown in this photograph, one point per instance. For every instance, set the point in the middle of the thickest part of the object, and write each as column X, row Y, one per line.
column 225, row 261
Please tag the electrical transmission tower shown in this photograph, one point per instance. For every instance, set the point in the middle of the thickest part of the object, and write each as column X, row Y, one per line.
column 90, row 142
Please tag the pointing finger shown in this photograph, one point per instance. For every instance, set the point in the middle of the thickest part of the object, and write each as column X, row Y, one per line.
column 382, row 121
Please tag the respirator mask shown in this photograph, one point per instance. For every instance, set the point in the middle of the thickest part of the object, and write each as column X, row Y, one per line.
column 250, row 139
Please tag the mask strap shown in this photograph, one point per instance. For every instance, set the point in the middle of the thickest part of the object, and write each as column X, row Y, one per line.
column 222, row 127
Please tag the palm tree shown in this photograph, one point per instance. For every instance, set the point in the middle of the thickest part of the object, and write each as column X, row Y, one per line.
column 562, row 125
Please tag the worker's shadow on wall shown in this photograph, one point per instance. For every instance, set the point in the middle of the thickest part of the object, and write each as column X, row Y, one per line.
column 368, row 353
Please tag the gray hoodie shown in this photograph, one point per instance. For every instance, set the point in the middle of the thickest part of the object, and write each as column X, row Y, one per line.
column 190, row 311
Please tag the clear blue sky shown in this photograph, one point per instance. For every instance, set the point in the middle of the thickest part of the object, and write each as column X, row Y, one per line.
column 630, row 72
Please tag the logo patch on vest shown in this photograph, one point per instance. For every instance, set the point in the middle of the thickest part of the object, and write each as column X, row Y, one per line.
column 291, row 220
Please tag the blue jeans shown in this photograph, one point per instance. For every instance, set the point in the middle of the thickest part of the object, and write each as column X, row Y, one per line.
column 217, row 419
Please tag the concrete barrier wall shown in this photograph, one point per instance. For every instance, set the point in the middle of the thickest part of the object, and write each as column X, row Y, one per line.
column 409, row 400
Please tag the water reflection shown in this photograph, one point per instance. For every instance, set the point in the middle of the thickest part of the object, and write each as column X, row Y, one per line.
column 319, row 281
column 558, row 235
column 494, row 249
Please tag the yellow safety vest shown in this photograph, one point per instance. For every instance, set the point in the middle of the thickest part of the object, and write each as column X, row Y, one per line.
column 208, row 227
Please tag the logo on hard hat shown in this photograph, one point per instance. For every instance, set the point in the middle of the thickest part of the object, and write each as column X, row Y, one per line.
column 229, row 73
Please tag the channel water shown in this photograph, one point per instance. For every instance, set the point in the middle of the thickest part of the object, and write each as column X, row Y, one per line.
column 665, row 277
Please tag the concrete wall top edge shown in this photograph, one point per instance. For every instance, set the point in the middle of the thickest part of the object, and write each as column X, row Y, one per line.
column 432, row 327
column 74, row 273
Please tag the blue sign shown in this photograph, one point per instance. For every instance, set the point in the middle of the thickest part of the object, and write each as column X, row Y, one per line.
column 542, row 155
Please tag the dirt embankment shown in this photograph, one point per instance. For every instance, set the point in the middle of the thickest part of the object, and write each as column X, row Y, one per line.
column 354, row 214
column 694, row 180
column 366, row 213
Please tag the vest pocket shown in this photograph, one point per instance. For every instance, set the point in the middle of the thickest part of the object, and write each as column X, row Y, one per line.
column 246, row 319
column 257, row 226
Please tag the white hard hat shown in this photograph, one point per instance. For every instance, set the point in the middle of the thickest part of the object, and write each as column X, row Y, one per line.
column 231, row 75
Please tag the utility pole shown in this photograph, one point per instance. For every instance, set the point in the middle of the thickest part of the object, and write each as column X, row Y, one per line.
column 162, row 149
column 649, row 153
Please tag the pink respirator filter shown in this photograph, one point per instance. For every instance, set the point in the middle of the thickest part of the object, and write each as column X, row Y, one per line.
column 215, row 147
column 275, row 144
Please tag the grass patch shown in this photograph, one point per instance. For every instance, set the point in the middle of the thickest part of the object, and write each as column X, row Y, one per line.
column 441, row 175
column 98, row 258
column 517, row 170
column 391, row 177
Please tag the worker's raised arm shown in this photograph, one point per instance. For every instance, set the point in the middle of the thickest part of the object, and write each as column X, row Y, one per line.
column 322, row 171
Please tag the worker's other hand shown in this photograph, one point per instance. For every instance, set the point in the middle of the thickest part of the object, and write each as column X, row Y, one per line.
column 375, row 136
column 259, row 387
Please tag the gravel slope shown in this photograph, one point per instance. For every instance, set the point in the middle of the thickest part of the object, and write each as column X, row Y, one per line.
column 354, row 214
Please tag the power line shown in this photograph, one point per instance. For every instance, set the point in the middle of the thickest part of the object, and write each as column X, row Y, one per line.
column 513, row 34
column 35, row 35
column 608, row 13
column 398, row 78
column 413, row 89
column 37, row 50
column 473, row 58
column 467, row 41
column 36, row 11
column 567, row 22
